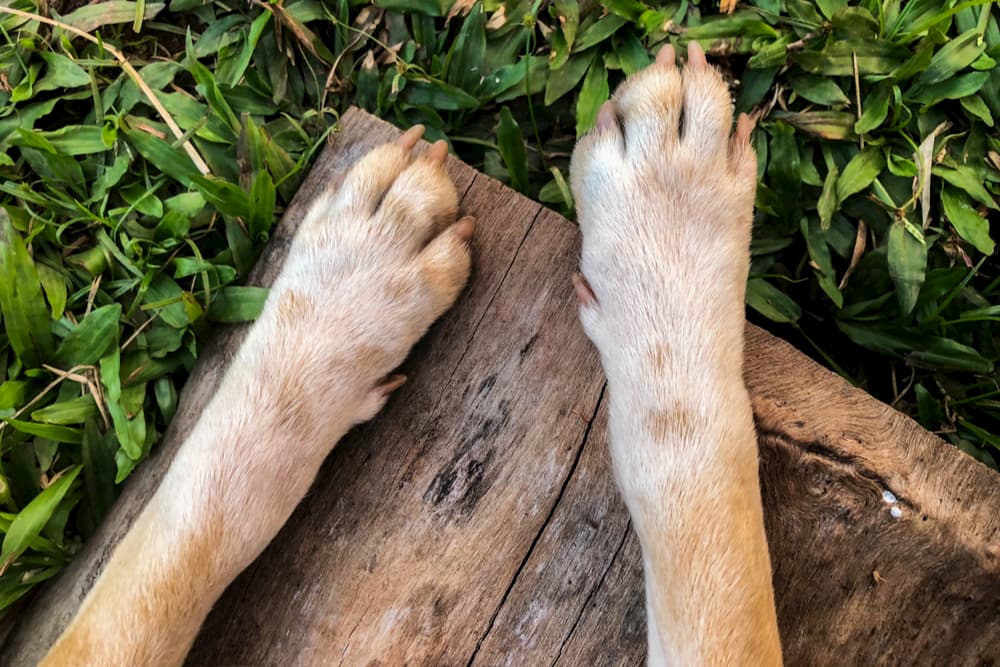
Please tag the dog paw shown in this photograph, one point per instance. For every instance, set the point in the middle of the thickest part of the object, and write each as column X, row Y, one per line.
column 374, row 264
column 664, row 191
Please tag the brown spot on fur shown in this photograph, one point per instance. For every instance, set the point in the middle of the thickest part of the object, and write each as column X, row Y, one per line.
column 659, row 356
column 301, row 408
column 398, row 288
column 299, row 389
column 368, row 357
column 676, row 419
column 292, row 402
column 292, row 306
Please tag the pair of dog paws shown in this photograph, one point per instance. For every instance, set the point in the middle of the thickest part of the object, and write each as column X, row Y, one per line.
column 664, row 191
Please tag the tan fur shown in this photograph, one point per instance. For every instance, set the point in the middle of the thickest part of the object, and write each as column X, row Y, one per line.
column 665, row 213
column 292, row 306
column 676, row 419
column 659, row 357
column 122, row 622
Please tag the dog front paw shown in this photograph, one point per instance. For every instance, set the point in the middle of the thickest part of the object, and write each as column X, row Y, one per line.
column 665, row 194
column 373, row 265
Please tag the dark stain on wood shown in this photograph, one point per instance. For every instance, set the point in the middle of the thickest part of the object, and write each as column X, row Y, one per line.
column 487, row 384
column 526, row 348
column 476, row 522
column 465, row 479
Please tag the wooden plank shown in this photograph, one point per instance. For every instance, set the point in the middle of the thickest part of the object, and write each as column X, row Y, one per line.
column 426, row 520
column 860, row 579
column 576, row 576
column 476, row 522
column 548, row 614
column 612, row 627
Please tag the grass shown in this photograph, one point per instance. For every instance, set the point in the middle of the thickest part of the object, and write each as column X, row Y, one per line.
column 146, row 150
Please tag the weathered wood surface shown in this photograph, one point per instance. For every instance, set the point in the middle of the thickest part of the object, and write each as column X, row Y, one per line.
column 475, row 520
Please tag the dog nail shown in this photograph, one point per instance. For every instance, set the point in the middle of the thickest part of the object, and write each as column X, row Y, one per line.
column 696, row 55
column 607, row 116
column 666, row 56
column 391, row 383
column 410, row 138
column 583, row 292
column 438, row 151
column 465, row 227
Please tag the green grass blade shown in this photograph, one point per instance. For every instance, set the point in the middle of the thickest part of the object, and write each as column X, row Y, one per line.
column 30, row 521
column 26, row 318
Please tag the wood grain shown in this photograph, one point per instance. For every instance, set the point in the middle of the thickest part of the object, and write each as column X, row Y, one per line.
column 419, row 512
column 475, row 521
column 854, row 582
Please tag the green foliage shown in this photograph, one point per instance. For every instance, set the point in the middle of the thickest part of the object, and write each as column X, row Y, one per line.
column 123, row 240
column 878, row 160
column 118, row 250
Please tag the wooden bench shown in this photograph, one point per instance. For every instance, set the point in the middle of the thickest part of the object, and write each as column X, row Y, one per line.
column 475, row 521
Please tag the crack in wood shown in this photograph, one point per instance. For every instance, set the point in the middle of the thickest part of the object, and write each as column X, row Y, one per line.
column 847, row 462
column 541, row 529
column 593, row 592
column 350, row 636
column 500, row 284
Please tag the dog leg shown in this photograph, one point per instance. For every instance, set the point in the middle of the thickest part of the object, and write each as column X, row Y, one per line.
column 373, row 265
column 665, row 198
